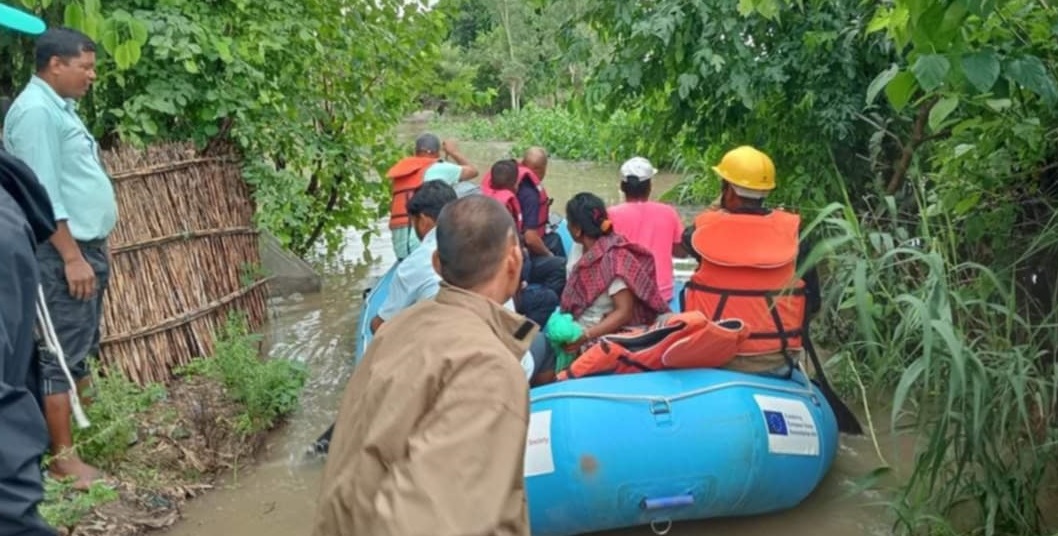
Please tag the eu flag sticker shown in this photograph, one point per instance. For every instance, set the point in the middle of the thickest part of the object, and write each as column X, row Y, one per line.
column 776, row 423
column 790, row 426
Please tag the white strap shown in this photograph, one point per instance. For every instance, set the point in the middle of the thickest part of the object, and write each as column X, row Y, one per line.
column 51, row 341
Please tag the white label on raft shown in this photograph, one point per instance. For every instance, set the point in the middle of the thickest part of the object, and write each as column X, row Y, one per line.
column 791, row 429
column 538, row 458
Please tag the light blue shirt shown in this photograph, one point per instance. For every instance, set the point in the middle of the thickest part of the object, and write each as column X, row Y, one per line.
column 443, row 171
column 43, row 130
column 416, row 281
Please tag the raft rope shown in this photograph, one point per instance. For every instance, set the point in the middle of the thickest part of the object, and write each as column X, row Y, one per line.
column 51, row 341
column 668, row 400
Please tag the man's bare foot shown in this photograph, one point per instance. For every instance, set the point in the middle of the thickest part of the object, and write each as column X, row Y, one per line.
column 62, row 468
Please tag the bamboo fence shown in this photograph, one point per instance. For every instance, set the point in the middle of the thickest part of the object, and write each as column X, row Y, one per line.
column 183, row 255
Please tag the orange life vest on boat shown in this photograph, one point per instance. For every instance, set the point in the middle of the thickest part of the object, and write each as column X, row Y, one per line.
column 748, row 271
column 683, row 340
column 505, row 197
column 526, row 174
column 407, row 175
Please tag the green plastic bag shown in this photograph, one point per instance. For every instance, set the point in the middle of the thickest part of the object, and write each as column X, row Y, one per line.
column 562, row 330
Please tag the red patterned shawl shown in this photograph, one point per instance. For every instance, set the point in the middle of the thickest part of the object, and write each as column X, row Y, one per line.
column 612, row 257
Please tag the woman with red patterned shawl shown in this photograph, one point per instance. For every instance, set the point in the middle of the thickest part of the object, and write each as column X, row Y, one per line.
column 612, row 285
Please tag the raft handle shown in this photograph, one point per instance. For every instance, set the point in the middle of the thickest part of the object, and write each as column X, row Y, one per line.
column 654, row 524
column 667, row 502
column 660, row 406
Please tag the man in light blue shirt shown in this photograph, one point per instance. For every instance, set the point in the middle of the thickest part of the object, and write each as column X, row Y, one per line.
column 43, row 130
column 415, row 279
column 452, row 173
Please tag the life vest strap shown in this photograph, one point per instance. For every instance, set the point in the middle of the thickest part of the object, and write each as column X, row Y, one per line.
column 783, row 336
column 743, row 293
column 793, row 333
column 570, row 375
column 627, row 360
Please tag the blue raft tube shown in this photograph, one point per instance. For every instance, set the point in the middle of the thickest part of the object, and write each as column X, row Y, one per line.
column 656, row 448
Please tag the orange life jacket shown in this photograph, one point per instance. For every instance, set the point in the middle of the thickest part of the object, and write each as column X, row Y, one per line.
column 683, row 340
column 747, row 271
column 505, row 197
column 526, row 174
column 407, row 175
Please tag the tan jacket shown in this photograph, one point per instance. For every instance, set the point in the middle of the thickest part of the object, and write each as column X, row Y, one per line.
column 430, row 437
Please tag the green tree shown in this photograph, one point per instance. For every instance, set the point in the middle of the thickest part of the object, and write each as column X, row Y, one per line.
column 706, row 74
column 306, row 91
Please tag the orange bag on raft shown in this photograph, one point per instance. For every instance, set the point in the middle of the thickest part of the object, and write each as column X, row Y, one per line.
column 683, row 340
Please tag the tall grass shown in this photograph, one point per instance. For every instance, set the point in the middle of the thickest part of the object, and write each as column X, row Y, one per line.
column 949, row 337
column 266, row 389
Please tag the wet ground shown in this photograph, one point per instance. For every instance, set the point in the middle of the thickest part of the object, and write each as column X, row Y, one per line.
column 277, row 496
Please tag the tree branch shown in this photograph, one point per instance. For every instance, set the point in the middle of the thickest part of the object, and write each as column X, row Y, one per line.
column 918, row 137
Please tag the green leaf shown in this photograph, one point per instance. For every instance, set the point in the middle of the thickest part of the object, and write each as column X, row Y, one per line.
column 926, row 26
column 746, row 7
column 73, row 16
column 191, row 66
column 900, row 90
column 122, row 56
column 941, row 111
column 91, row 24
column 149, row 126
column 903, row 388
column 768, row 9
column 999, row 104
column 1029, row 73
column 966, row 204
column 880, row 21
column 223, row 50
column 110, row 39
column 950, row 25
column 45, row 4
column 687, row 83
column 981, row 69
column 139, row 32
column 981, row 8
column 930, row 71
column 135, row 51
column 963, row 148
column 880, row 81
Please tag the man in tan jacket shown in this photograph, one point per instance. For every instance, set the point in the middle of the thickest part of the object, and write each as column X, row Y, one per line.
column 430, row 437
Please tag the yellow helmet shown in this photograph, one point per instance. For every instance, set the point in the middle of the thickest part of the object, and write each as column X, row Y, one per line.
column 747, row 167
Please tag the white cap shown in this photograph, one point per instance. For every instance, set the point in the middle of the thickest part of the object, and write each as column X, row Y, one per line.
column 638, row 167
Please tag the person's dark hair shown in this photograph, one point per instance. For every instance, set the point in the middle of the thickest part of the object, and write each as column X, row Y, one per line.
column 65, row 43
column 635, row 188
column 504, row 174
column 473, row 237
column 588, row 212
column 745, row 202
column 430, row 198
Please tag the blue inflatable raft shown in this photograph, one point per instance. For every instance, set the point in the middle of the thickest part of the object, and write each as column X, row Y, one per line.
column 655, row 448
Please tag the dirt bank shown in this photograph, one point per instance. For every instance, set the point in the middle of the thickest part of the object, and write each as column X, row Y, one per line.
column 182, row 444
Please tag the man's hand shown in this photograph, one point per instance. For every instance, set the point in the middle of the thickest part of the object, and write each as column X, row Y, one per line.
column 449, row 146
column 81, row 279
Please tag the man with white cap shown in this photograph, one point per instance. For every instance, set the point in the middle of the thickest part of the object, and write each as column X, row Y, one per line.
column 655, row 226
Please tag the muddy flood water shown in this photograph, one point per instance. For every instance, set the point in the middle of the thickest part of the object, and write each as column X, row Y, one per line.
column 276, row 497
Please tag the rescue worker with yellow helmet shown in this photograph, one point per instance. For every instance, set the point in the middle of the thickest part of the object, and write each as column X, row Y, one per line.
column 747, row 261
